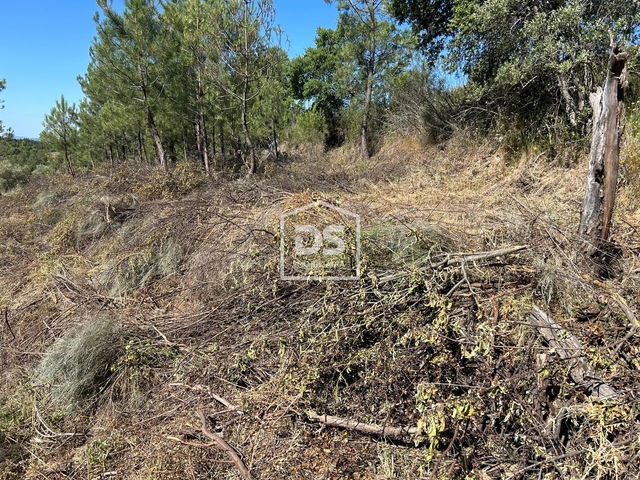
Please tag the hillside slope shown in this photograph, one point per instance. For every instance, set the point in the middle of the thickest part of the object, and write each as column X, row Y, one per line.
column 136, row 300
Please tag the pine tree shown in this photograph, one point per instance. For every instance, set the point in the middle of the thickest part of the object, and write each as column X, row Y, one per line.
column 61, row 130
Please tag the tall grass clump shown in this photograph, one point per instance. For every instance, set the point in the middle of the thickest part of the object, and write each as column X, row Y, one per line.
column 78, row 364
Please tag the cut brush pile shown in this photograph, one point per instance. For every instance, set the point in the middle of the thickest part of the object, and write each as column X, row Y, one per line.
column 430, row 366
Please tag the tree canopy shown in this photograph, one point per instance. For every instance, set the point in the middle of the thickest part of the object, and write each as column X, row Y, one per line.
column 532, row 56
column 3, row 84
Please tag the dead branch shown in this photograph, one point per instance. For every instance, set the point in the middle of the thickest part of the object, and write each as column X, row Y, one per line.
column 461, row 258
column 568, row 347
column 226, row 403
column 6, row 320
column 434, row 472
column 401, row 434
column 226, row 447
column 631, row 316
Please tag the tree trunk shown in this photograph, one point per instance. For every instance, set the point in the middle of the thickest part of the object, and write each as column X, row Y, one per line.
column 157, row 139
column 202, row 129
column 275, row 140
column 251, row 161
column 364, row 129
column 602, row 177
column 67, row 157
column 143, row 150
column 569, row 103
column 222, row 150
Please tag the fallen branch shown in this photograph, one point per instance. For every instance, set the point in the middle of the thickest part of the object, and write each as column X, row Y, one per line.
column 568, row 347
column 631, row 316
column 226, row 447
column 458, row 258
column 227, row 404
column 401, row 434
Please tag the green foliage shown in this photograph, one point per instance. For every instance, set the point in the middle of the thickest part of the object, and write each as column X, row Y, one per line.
column 350, row 71
column 24, row 152
column 12, row 175
column 9, row 133
column 61, row 130
column 310, row 127
column 429, row 20
column 180, row 81
column 533, row 63
column 78, row 364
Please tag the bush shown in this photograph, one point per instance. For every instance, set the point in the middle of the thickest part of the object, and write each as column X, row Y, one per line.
column 12, row 176
column 165, row 185
column 78, row 364
column 402, row 245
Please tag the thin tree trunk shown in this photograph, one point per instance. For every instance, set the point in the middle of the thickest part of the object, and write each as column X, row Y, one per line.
column 117, row 151
column 199, row 140
column 139, row 146
column 368, row 93
column 251, row 161
column 599, row 200
column 157, row 139
column 202, row 128
column 143, row 150
column 67, row 157
column 222, row 149
column 205, row 145
column 570, row 104
column 184, row 149
column 275, row 140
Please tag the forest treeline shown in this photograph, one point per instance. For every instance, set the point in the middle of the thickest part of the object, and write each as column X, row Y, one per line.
column 210, row 81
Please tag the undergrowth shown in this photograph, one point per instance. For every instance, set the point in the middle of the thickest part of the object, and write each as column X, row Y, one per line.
column 428, row 338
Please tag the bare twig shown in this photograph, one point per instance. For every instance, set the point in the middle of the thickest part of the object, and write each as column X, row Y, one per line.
column 6, row 320
column 402, row 434
column 434, row 472
column 224, row 402
column 226, row 447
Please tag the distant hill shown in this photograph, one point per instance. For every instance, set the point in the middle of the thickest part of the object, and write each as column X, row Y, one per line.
column 27, row 138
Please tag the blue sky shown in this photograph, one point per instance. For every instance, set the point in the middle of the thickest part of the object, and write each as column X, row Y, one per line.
column 44, row 46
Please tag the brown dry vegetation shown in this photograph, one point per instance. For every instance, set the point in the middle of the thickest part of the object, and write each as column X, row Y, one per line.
column 179, row 277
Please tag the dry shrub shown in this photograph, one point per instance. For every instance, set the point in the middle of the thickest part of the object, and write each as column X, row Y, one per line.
column 447, row 349
column 630, row 160
column 77, row 365
column 390, row 245
column 51, row 198
column 129, row 272
column 163, row 185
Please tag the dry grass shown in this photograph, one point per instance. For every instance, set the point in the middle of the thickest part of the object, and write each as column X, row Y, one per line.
column 195, row 274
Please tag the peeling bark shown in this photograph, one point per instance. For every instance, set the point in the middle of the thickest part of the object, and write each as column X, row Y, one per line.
column 602, row 177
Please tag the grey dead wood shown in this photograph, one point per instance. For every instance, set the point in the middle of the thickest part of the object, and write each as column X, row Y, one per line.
column 569, row 348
